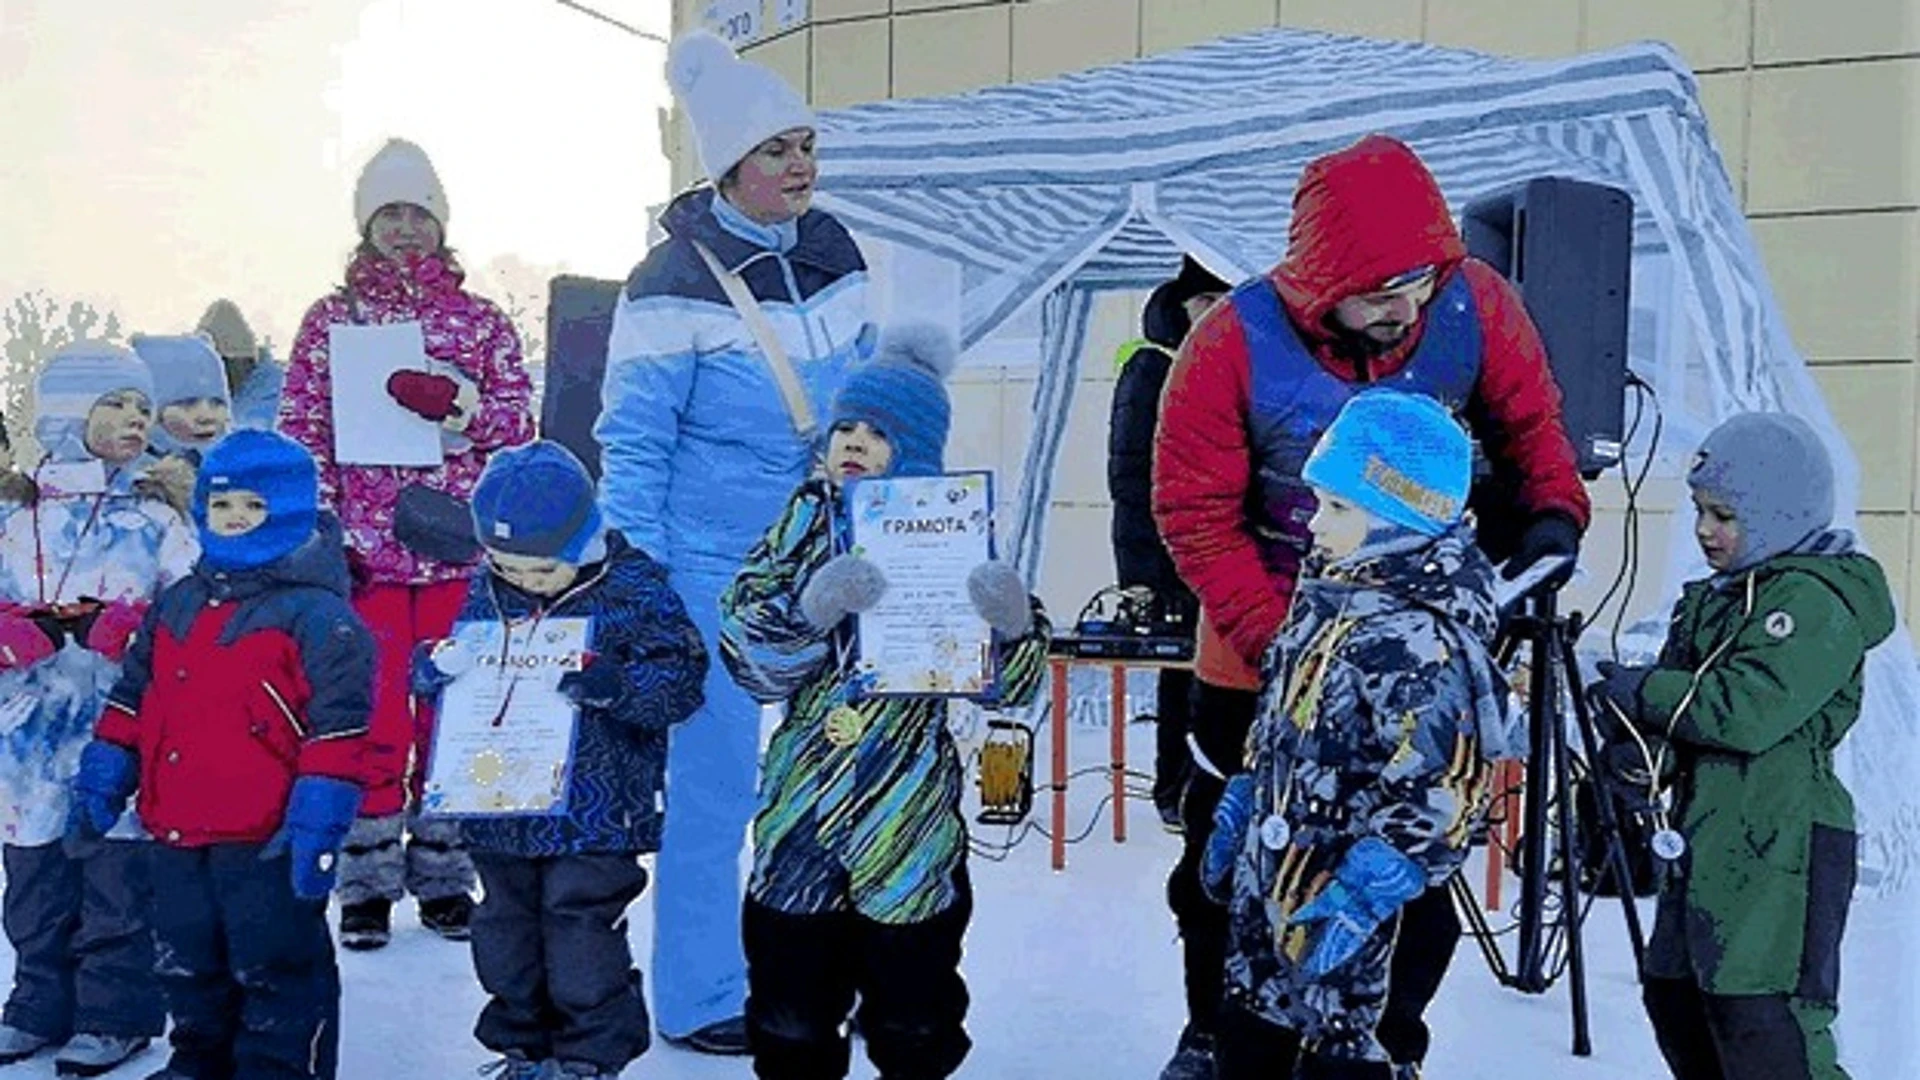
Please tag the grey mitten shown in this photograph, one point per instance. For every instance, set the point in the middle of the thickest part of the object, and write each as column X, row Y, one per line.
column 845, row 585
column 1000, row 596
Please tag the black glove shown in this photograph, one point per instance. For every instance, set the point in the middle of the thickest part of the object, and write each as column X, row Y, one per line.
column 596, row 686
column 1637, row 774
column 1615, row 700
column 1548, row 534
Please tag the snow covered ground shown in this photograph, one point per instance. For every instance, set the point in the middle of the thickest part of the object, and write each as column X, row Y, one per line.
column 1074, row 975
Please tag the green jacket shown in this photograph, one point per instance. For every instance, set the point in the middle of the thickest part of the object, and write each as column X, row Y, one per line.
column 1761, row 677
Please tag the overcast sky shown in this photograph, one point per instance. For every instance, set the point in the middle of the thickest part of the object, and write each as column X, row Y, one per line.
column 156, row 154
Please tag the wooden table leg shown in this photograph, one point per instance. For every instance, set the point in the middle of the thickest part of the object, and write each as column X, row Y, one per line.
column 1119, row 722
column 1059, row 723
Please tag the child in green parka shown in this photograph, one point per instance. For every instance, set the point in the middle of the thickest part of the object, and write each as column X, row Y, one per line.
column 1759, row 679
column 859, row 882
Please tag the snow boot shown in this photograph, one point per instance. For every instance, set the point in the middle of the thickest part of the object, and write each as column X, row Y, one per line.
column 515, row 1066
column 448, row 916
column 722, row 1038
column 19, row 1045
column 1192, row 1058
column 581, row 1070
column 89, row 1054
column 366, row 925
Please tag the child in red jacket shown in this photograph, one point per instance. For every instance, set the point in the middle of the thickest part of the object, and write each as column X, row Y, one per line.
column 239, row 718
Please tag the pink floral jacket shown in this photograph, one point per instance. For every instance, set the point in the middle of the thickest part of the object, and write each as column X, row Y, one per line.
column 461, row 329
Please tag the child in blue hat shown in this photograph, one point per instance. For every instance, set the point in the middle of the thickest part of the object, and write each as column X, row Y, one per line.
column 549, row 937
column 1381, row 713
column 239, row 720
column 859, row 883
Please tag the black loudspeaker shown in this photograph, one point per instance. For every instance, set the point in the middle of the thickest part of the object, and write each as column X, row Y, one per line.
column 579, row 319
column 1568, row 246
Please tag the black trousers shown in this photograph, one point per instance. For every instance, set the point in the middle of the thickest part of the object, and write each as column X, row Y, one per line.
column 803, row 972
column 247, row 966
column 550, row 947
column 1245, row 1047
column 1173, row 712
column 83, row 952
column 1712, row 1037
column 1220, row 720
column 1429, row 929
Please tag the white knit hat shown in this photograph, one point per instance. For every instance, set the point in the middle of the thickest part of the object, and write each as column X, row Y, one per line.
column 398, row 173
column 735, row 104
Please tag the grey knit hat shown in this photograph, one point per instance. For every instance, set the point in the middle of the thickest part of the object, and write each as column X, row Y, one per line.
column 1773, row 472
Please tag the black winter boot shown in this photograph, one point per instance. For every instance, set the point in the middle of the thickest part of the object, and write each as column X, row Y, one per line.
column 448, row 916
column 366, row 925
column 1192, row 1058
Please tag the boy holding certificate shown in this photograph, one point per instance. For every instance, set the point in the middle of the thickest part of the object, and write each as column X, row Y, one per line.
column 549, row 937
column 240, row 718
column 859, row 884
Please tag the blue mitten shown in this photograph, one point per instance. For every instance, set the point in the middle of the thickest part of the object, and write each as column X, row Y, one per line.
column 1373, row 880
column 1231, row 816
column 597, row 685
column 107, row 778
column 319, row 812
column 845, row 585
column 1000, row 596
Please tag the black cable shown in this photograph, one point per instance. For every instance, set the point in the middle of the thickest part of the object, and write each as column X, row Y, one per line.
column 611, row 21
column 1628, row 535
column 1633, row 496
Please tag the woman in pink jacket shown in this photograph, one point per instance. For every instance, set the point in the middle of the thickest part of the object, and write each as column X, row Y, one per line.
column 476, row 389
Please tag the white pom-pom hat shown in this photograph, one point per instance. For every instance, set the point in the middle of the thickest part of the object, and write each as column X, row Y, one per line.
column 398, row 172
column 735, row 104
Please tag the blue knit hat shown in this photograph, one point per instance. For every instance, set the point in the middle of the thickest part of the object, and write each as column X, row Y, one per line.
column 273, row 467
column 1401, row 457
column 902, row 394
column 73, row 380
column 538, row 500
column 184, row 367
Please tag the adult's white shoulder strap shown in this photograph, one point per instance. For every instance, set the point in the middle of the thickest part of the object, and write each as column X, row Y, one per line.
column 799, row 408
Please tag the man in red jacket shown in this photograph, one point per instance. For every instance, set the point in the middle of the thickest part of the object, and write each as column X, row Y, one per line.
column 1376, row 289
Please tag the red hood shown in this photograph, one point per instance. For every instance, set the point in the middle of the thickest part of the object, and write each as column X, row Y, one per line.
column 1361, row 216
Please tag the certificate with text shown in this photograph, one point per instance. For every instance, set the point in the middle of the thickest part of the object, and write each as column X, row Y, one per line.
column 503, row 740
column 925, row 534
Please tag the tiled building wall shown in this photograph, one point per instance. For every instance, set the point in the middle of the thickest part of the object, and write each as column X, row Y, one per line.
column 1815, row 106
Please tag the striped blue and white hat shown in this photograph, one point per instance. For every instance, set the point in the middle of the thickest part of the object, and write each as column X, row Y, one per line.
column 74, row 378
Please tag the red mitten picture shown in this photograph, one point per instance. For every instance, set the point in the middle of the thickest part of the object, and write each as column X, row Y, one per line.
column 114, row 627
column 424, row 393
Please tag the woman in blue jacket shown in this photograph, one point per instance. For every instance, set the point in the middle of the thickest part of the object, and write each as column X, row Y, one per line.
column 700, row 448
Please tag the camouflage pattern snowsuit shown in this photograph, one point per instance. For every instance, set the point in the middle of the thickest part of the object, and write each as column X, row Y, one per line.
column 1381, row 714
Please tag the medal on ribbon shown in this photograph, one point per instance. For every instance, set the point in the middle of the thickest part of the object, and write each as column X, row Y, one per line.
column 844, row 726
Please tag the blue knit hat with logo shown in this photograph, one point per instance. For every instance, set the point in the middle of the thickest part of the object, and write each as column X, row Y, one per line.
column 902, row 394
column 1401, row 457
column 273, row 467
column 538, row 500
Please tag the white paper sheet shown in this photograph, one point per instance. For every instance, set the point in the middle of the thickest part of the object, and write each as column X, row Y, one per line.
column 926, row 534
column 369, row 427
column 503, row 740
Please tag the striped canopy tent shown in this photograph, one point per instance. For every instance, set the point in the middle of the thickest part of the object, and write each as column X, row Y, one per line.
column 1049, row 192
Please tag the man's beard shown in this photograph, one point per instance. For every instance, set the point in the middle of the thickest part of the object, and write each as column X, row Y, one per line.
column 1360, row 345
